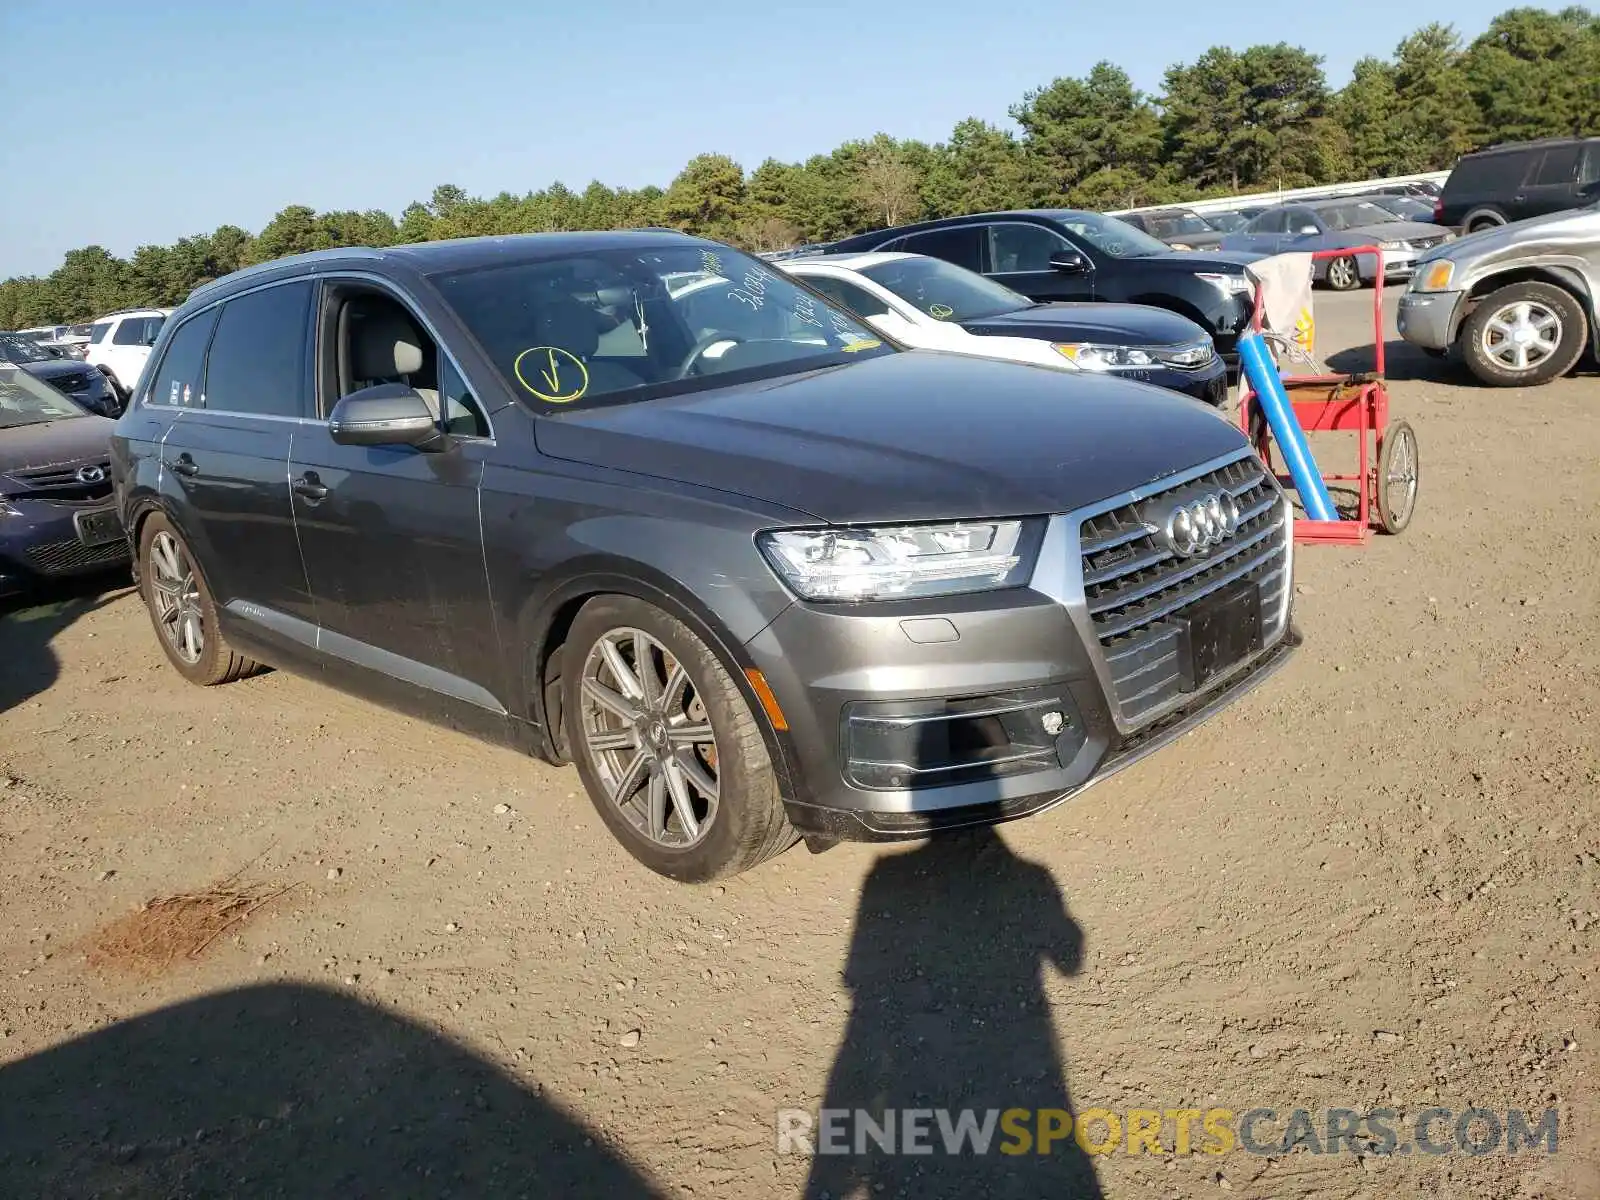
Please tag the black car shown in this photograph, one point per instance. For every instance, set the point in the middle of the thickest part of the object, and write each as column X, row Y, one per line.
column 1065, row 254
column 1517, row 180
column 756, row 570
column 71, row 376
column 56, row 512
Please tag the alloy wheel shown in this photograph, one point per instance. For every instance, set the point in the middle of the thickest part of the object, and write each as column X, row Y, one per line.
column 1342, row 273
column 1521, row 335
column 176, row 592
column 650, row 738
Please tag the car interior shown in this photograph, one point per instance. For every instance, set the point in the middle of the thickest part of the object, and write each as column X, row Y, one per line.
column 374, row 339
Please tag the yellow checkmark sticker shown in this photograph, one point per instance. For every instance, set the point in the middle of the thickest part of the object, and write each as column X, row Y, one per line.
column 561, row 375
column 941, row 311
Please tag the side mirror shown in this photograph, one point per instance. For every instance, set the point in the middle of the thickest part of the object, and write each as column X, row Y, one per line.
column 390, row 414
column 1069, row 262
column 1309, row 229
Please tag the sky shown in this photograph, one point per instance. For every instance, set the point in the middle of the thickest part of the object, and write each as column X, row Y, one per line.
column 133, row 123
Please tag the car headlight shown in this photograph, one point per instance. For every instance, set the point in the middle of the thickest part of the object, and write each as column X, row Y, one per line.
column 1435, row 276
column 900, row 561
column 1394, row 245
column 1180, row 245
column 1092, row 356
column 1228, row 285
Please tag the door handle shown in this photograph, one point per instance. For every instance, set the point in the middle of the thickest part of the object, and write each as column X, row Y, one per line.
column 182, row 465
column 309, row 486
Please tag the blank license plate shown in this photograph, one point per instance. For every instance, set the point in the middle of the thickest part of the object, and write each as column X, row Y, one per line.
column 98, row 527
column 1217, row 632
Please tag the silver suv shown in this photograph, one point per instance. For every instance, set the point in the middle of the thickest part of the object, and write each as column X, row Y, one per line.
column 1518, row 303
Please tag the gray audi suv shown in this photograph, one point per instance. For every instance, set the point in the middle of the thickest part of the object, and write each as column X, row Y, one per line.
column 639, row 502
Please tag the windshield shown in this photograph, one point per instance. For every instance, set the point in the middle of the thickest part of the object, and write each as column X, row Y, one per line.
column 22, row 350
column 1112, row 236
column 1165, row 225
column 623, row 325
column 1226, row 222
column 944, row 290
column 1352, row 216
column 26, row 401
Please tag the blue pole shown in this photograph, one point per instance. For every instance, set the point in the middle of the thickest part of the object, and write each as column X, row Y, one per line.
column 1256, row 362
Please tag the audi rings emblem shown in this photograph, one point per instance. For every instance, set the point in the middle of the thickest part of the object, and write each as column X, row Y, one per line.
column 91, row 474
column 1201, row 523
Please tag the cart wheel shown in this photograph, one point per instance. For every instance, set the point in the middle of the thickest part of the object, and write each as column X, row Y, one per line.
column 1398, row 475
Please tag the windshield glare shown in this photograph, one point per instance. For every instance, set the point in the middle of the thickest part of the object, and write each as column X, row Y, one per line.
column 1112, row 236
column 622, row 325
column 26, row 401
column 1352, row 216
column 945, row 291
column 21, row 350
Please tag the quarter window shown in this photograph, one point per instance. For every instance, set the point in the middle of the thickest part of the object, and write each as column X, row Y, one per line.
column 458, row 407
column 98, row 331
column 257, row 360
column 1015, row 247
column 180, row 379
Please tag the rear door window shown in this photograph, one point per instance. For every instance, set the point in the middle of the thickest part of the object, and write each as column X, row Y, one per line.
column 180, row 379
column 1559, row 166
column 257, row 363
column 848, row 295
column 137, row 331
column 959, row 246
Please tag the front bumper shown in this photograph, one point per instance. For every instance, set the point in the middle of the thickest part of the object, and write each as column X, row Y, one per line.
column 1430, row 319
column 910, row 717
column 42, row 539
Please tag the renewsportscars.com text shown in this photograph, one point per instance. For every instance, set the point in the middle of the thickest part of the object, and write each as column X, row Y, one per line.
column 1265, row 1131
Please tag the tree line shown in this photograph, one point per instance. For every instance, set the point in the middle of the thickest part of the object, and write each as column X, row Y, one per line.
column 1229, row 122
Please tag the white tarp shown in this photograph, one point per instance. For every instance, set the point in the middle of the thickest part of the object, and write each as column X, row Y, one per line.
column 1285, row 281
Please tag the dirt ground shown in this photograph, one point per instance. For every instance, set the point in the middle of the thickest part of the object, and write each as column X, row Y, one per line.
column 1375, row 882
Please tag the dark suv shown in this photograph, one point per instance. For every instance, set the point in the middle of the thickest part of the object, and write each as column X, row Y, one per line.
column 1064, row 254
column 1517, row 180
column 637, row 500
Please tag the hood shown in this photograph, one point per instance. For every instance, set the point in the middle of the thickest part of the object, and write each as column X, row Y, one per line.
column 1198, row 241
column 1571, row 230
column 1392, row 231
column 56, row 443
column 57, row 367
column 1115, row 324
column 913, row 436
column 1222, row 261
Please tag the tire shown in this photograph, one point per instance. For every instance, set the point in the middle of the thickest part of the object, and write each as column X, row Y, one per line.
column 1482, row 218
column 747, row 823
column 1553, row 319
column 1399, row 476
column 1343, row 273
column 209, row 660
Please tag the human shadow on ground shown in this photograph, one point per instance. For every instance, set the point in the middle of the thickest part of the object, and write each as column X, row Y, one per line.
column 287, row 1090
column 29, row 623
column 947, row 966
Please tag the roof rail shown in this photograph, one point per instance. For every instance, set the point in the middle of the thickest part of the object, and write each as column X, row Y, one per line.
column 117, row 312
column 311, row 256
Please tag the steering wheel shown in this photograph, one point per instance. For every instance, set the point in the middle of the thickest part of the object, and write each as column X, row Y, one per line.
column 692, row 359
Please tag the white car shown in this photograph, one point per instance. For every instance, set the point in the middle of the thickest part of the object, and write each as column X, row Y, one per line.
column 930, row 304
column 120, row 342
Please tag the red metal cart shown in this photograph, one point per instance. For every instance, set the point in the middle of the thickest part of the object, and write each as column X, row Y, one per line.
column 1386, row 481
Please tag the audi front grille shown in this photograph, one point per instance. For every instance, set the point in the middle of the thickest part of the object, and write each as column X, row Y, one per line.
column 1134, row 584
